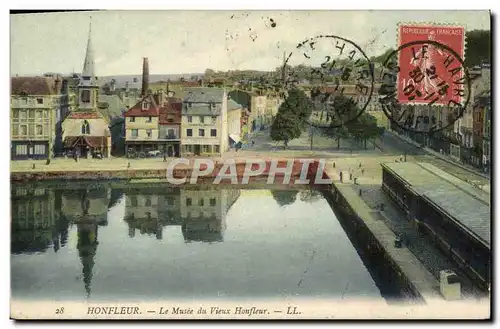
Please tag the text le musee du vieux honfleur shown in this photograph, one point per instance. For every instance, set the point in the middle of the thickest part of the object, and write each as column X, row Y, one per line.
column 176, row 310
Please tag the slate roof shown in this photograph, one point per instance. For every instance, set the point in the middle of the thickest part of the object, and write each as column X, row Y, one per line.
column 33, row 85
column 232, row 105
column 466, row 205
column 200, row 109
column 115, row 106
column 204, row 95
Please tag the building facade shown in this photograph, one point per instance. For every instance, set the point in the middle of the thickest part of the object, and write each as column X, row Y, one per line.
column 142, row 127
column 34, row 106
column 204, row 127
column 85, row 131
column 170, row 120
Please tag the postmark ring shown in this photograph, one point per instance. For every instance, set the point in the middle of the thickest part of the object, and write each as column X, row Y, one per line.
column 385, row 102
column 365, row 63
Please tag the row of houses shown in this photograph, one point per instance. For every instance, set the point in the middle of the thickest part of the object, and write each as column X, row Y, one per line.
column 468, row 139
column 54, row 115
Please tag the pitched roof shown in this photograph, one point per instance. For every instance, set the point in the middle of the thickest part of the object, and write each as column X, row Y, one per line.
column 232, row 105
column 138, row 111
column 115, row 106
column 204, row 95
column 200, row 109
column 33, row 85
column 170, row 108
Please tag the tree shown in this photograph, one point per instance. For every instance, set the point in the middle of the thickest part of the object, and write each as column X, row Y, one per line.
column 299, row 105
column 478, row 47
column 336, row 132
column 292, row 117
column 363, row 128
column 285, row 127
column 284, row 198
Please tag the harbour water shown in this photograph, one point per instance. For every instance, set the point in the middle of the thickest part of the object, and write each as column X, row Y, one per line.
column 93, row 241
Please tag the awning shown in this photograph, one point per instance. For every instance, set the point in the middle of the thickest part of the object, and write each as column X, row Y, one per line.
column 92, row 141
column 235, row 138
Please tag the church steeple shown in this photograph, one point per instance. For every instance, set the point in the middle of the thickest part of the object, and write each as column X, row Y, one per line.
column 88, row 88
column 88, row 73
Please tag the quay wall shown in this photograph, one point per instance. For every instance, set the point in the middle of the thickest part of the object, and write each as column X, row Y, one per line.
column 178, row 172
column 376, row 244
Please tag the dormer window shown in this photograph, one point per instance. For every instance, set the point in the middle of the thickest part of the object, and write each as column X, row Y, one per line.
column 85, row 128
column 39, row 100
column 144, row 105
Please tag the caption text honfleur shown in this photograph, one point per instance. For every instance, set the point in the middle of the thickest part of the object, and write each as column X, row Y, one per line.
column 175, row 310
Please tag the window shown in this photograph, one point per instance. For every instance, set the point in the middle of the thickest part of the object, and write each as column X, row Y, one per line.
column 189, row 148
column 32, row 114
column 133, row 200
column 24, row 100
column 190, row 119
column 85, row 96
column 170, row 118
column 24, row 130
column 39, row 115
column 206, row 148
column 188, row 201
column 216, row 149
column 149, row 119
column 214, row 119
column 149, row 133
column 132, row 119
column 213, row 202
column 31, row 129
column 40, row 149
column 21, row 149
column 39, row 130
column 171, row 133
column 213, row 132
column 170, row 201
column 201, row 202
column 15, row 114
column 201, row 132
column 144, row 105
column 189, row 132
column 22, row 114
column 148, row 202
column 39, row 100
column 85, row 128
column 15, row 130
column 134, row 133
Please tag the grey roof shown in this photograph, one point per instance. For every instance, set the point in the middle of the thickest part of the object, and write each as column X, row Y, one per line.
column 116, row 107
column 200, row 109
column 232, row 105
column 468, row 206
column 203, row 95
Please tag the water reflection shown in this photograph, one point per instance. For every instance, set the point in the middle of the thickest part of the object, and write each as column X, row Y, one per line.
column 168, row 236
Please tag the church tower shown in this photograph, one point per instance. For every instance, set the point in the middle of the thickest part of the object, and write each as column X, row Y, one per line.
column 88, row 87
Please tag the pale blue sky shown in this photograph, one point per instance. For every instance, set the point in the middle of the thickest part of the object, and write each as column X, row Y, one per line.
column 191, row 41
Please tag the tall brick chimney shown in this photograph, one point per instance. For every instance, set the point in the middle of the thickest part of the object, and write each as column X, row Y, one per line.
column 145, row 77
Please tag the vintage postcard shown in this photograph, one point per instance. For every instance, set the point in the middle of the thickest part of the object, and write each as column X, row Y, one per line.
column 250, row 165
